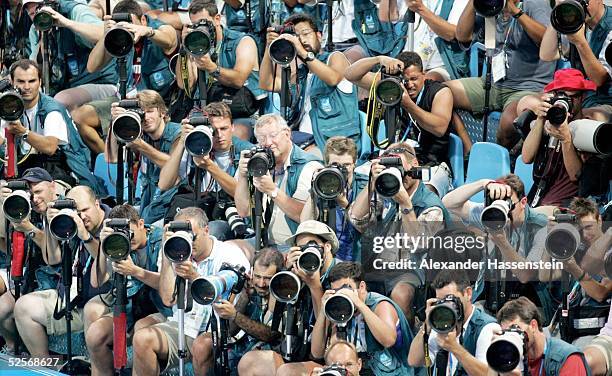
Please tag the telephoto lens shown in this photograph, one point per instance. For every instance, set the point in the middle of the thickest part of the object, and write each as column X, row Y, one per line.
column 339, row 308
column 119, row 41
column 199, row 142
column 201, row 38
column 445, row 314
column 330, row 182
column 561, row 106
column 178, row 247
column 63, row 227
column 261, row 161
column 285, row 287
column 11, row 103
column 389, row 91
column 496, row 212
column 310, row 260
column 592, row 136
column 16, row 206
column 127, row 127
column 390, row 180
column 207, row 290
column 235, row 222
column 282, row 51
column 505, row 353
column 568, row 16
column 117, row 245
column 334, row 371
column 562, row 241
column 43, row 20
column 489, row 8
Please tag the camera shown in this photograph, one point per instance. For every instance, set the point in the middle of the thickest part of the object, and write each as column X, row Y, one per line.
column 235, row 221
column 563, row 239
column 117, row 246
column 127, row 127
column 178, row 247
column 16, row 206
column 207, row 290
column 446, row 314
column 506, row 351
column 389, row 181
column 63, row 227
column 496, row 212
column 389, row 89
column 201, row 38
column 282, row 51
column 311, row 258
column 489, row 8
column 119, row 41
column 568, row 17
column 43, row 20
column 285, row 287
column 261, row 160
column 328, row 183
column 561, row 106
column 11, row 103
column 592, row 136
column 199, row 141
column 339, row 308
column 334, row 371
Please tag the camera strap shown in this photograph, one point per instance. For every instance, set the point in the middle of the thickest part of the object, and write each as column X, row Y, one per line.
column 185, row 73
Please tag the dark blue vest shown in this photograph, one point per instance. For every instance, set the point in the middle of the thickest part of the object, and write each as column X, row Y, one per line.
column 596, row 42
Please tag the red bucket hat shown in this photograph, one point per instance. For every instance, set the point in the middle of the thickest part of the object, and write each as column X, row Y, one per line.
column 570, row 79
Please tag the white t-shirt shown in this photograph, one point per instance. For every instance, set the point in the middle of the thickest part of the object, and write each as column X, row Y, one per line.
column 222, row 159
column 54, row 126
column 342, row 16
column 196, row 320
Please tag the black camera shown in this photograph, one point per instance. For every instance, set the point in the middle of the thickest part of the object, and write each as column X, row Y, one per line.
column 117, row 246
column 389, row 181
column 506, row 351
column 285, row 287
column 261, row 161
column 127, row 127
column 282, row 51
column 43, row 20
column 563, row 239
column 334, row 371
column 489, row 8
column 119, row 41
column 16, row 206
column 446, row 314
column 201, row 38
column 311, row 258
column 199, row 142
column 339, row 308
column 330, row 182
column 561, row 106
column 207, row 290
column 63, row 227
column 496, row 212
column 178, row 247
column 11, row 103
column 568, row 17
column 390, row 88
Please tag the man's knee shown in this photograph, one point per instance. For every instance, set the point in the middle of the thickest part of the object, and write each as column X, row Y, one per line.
column 403, row 294
column 25, row 306
column 85, row 115
column 201, row 348
column 98, row 334
column 251, row 363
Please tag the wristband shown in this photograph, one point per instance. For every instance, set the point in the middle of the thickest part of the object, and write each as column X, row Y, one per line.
column 519, row 14
column 90, row 239
column 582, row 276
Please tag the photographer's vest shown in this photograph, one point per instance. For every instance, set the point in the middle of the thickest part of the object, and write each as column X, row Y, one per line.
column 78, row 155
column 360, row 182
column 392, row 360
column 298, row 159
column 237, row 19
column 422, row 199
column 556, row 353
column 155, row 203
column 333, row 112
column 470, row 337
column 603, row 95
column 227, row 59
column 456, row 60
column 376, row 37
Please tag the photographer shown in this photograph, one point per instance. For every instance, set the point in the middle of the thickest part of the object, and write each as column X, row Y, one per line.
column 286, row 185
column 413, row 210
column 251, row 313
column 79, row 29
column 235, row 67
column 519, row 28
column 35, row 325
column 341, row 151
column 591, row 51
column 147, row 68
column 553, row 355
column 598, row 352
column 159, row 138
column 156, row 347
column 218, row 184
column 427, row 111
column 549, row 143
column 140, row 268
column 464, row 346
column 43, row 191
column 387, row 332
column 341, row 354
column 320, row 74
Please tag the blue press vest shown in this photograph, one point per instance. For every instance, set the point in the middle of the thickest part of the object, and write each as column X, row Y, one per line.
column 297, row 161
column 603, row 95
column 470, row 337
column 376, row 37
column 359, row 183
column 456, row 60
column 557, row 352
column 227, row 59
column 422, row 199
column 236, row 19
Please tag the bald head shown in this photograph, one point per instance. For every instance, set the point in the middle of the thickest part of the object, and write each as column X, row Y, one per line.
column 344, row 354
column 88, row 207
column 82, row 193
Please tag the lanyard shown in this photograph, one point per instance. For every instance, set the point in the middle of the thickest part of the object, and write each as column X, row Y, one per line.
column 543, row 359
column 409, row 128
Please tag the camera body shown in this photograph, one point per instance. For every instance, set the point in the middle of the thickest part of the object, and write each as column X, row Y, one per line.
column 117, row 245
column 561, row 107
column 311, row 258
column 507, row 350
column 229, row 279
column 261, row 161
column 388, row 183
column 118, row 41
column 199, row 142
column 446, row 314
column 17, row 206
column 63, row 227
column 389, row 89
column 334, row 371
column 43, row 20
column 179, row 246
column 11, row 103
column 330, row 182
column 127, row 127
column 201, row 39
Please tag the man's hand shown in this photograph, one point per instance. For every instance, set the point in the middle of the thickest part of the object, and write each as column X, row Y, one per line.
column 23, row 226
column 498, row 191
column 391, row 65
column 299, row 48
column 203, row 162
column 326, row 295
column 375, row 169
column 292, row 257
column 16, row 128
column 402, row 197
column 116, row 110
column 429, row 303
column 243, row 163
column 108, row 23
column 186, row 128
column 355, row 297
column 139, row 31
column 225, row 309
column 448, row 341
column 137, row 144
column 311, row 280
column 82, row 232
column 265, row 184
column 511, row 6
column 542, row 108
column 271, row 36
column 125, row 267
column 58, row 19
column 562, row 132
column 415, row 5
column 4, row 193
column 105, row 232
column 186, row 270
column 205, row 63
column 578, row 37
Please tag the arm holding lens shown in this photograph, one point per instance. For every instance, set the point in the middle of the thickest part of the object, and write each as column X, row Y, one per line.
column 534, row 138
column 98, row 57
column 169, row 173
column 227, row 182
column 593, row 258
column 156, row 156
column 381, row 322
column 458, row 200
column 242, row 195
column 167, row 281
column 549, row 48
column 508, row 253
column 269, row 74
column 534, row 29
column 359, row 72
column 595, row 71
column 44, row 144
column 465, row 26
column 246, row 62
column 571, row 159
column 91, row 31
column 319, row 331
column 599, row 291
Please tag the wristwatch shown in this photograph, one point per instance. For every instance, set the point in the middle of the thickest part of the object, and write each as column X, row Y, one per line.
column 406, row 211
column 520, row 13
column 25, row 135
column 89, row 240
column 274, row 193
column 217, row 73
column 310, row 56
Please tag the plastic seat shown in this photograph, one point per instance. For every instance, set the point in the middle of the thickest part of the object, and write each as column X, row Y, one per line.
column 455, row 155
column 487, row 161
column 366, row 141
column 108, row 172
column 525, row 172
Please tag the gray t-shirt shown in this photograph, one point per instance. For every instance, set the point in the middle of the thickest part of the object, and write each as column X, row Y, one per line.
column 524, row 69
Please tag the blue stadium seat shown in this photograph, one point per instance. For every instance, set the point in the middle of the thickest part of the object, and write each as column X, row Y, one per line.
column 108, row 172
column 487, row 161
column 525, row 172
column 455, row 155
column 57, row 343
column 366, row 141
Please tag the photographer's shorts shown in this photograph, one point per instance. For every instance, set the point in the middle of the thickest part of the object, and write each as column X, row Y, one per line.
column 499, row 98
column 170, row 330
column 440, row 178
column 409, row 278
column 58, row 327
column 4, row 278
column 103, row 109
column 603, row 343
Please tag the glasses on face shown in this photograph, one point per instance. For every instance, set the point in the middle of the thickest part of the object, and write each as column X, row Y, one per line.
column 262, row 138
column 304, row 33
column 571, row 96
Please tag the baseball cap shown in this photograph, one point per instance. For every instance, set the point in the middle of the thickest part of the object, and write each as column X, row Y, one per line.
column 316, row 228
column 36, row 175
